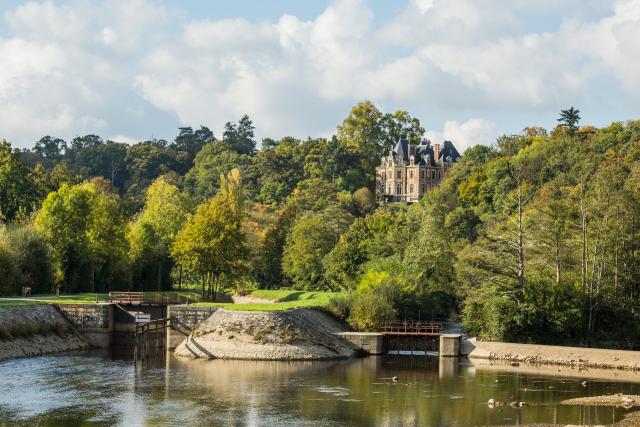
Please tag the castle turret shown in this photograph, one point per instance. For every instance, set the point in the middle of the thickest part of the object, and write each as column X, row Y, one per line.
column 411, row 170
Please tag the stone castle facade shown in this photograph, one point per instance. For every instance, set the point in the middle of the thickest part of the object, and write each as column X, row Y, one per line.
column 411, row 170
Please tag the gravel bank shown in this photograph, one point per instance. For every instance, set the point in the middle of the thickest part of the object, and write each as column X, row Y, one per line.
column 301, row 334
column 627, row 400
column 553, row 355
column 35, row 330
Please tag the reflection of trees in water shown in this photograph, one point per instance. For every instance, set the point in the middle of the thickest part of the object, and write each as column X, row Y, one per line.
column 428, row 391
column 344, row 392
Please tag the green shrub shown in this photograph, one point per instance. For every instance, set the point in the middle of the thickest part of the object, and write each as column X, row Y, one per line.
column 59, row 328
column 32, row 259
column 25, row 329
column 370, row 310
column 340, row 305
column 7, row 270
column 5, row 333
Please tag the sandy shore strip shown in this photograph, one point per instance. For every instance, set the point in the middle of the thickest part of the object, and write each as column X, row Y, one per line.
column 569, row 372
column 618, row 399
column 553, row 355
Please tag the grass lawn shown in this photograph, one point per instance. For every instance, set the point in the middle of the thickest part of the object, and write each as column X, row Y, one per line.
column 282, row 300
column 85, row 298
column 18, row 303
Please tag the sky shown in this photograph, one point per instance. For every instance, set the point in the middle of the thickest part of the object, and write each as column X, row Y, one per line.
column 470, row 70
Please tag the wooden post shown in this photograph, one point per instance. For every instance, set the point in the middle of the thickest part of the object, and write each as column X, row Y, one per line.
column 135, row 348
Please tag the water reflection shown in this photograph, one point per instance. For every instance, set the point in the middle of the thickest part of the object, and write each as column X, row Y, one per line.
column 106, row 389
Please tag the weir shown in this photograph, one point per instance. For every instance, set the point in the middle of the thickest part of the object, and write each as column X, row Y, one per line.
column 113, row 325
column 413, row 337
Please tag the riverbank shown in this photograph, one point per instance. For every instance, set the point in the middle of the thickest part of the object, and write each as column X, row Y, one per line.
column 299, row 334
column 619, row 399
column 35, row 330
column 552, row 355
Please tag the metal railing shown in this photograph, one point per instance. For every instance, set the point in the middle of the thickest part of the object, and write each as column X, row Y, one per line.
column 411, row 327
column 126, row 297
column 156, row 298
column 144, row 341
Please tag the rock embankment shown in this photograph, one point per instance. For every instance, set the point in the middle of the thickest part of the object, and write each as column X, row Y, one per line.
column 301, row 334
column 618, row 399
column 34, row 330
column 553, row 355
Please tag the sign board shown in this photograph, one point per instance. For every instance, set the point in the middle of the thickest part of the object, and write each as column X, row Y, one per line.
column 143, row 318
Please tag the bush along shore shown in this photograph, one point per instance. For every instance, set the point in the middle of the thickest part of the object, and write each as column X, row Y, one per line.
column 35, row 330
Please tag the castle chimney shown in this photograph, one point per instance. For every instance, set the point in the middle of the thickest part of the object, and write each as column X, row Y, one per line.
column 436, row 151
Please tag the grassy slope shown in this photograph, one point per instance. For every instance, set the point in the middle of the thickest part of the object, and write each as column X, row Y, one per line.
column 283, row 300
column 86, row 298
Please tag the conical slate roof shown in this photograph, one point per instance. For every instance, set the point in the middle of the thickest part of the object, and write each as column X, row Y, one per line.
column 402, row 149
column 449, row 151
column 424, row 153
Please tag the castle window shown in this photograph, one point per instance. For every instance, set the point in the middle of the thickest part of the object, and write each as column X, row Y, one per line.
column 411, row 189
column 411, row 173
column 422, row 174
column 399, row 175
column 399, row 189
column 422, row 188
column 433, row 174
column 389, row 192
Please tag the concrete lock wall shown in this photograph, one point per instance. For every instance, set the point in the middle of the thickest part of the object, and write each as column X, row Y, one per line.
column 184, row 319
column 450, row 345
column 94, row 322
column 124, row 325
column 368, row 342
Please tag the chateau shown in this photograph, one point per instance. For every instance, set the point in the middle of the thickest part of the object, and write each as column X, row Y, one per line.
column 410, row 170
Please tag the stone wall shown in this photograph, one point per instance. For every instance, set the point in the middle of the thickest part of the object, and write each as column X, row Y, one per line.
column 300, row 334
column 94, row 322
column 450, row 345
column 367, row 342
column 184, row 319
column 34, row 330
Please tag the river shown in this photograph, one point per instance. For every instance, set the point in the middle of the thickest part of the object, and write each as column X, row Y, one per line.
column 103, row 389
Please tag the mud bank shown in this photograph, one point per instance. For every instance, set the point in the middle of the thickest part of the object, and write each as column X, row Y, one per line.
column 553, row 355
column 35, row 330
column 301, row 334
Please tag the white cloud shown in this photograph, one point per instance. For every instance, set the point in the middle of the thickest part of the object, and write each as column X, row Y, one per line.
column 612, row 43
column 140, row 68
column 67, row 67
column 466, row 134
column 423, row 5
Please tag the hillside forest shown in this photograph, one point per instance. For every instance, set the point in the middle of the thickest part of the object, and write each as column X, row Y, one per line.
column 535, row 238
